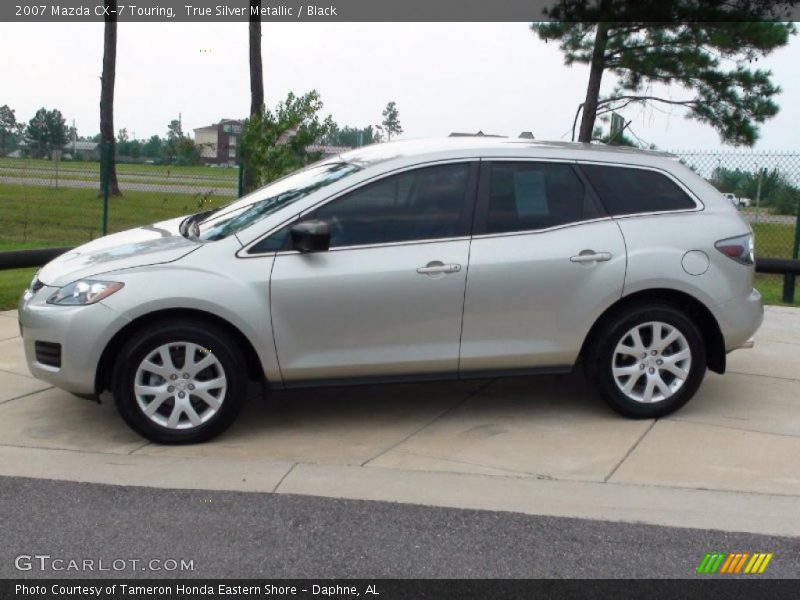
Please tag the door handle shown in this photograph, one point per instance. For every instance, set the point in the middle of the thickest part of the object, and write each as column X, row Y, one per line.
column 588, row 256
column 432, row 268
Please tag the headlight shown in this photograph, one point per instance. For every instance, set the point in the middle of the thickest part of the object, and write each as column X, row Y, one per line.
column 84, row 291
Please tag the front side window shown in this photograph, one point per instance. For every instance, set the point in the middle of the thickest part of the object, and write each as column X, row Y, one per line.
column 526, row 196
column 426, row 203
column 250, row 209
column 626, row 191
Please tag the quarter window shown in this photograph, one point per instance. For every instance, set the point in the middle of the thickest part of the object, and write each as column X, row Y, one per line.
column 526, row 196
column 625, row 191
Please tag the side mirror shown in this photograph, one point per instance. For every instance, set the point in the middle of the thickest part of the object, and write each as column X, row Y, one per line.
column 311, row 236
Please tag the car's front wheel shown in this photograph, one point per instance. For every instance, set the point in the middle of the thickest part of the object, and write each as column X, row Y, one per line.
column 179, row 382
column 649, row 361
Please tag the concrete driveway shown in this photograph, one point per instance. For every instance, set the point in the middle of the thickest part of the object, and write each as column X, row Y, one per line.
column 547, row 445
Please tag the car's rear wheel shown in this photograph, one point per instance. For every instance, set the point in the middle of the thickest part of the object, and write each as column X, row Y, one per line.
column 180, row 382
column 647, row 362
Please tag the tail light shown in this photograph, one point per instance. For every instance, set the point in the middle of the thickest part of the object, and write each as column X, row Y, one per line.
column 740, row 248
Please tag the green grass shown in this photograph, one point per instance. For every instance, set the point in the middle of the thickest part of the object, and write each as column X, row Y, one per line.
column 94, row 167
column 12, row 284
column 39, row 216
column 774, row 239
column 46, row 216
column 771, row 288
column 151, row 179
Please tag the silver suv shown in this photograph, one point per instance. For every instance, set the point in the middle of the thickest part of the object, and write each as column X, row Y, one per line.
column 414, row 260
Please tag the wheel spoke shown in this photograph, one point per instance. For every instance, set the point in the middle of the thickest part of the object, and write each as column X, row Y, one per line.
column 655, row 340
column 166, row 358
column 629, row 370
column 631, row 383
column 212, row 401
column 681, row 374
column 667, row 341
column 647, row 396
column 661, row 385
column 194, row 418
column 141, row 389
column 151, row 367
column 155, row 404
column 175, row 415
column 678, row 356
column 210, row 384
column 200, row 365
column 638, row 345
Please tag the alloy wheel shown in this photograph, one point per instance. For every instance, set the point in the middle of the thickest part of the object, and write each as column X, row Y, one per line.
column 180, row 385
column 651, row 362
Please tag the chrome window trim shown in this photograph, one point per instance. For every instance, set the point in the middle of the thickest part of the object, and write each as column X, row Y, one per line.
column 699, row 205
column 483, row 236
column 243, row 252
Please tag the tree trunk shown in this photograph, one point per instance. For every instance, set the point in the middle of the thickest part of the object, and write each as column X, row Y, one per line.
column 256, row 82
column 107, row 98
column 596, row 69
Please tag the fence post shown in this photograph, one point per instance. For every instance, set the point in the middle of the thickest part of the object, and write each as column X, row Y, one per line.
column 105, row 176
column 241, row 180
column 789, row 278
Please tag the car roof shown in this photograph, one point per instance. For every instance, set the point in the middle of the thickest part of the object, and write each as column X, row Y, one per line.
column 478, row 146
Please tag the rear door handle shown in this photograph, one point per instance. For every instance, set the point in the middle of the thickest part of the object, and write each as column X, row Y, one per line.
column 588, row 256
column 434, row 267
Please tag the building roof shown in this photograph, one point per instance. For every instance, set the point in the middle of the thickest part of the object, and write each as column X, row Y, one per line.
column 81, row 146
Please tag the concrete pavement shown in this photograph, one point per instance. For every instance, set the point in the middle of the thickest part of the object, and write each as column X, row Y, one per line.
column 546, row 445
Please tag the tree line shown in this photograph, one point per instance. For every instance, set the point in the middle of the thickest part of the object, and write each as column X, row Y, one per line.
column 707, row 49
column 48, row 131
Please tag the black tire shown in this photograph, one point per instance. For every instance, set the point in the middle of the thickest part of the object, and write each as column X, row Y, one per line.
column 601, row 356
column 209, row 338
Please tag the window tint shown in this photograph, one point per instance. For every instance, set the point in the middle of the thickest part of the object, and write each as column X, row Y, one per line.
column 426, row 203
column 525, row 196
column 625, row 191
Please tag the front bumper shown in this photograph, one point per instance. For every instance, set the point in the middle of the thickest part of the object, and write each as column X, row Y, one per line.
column 82, row 331
column 739, row 319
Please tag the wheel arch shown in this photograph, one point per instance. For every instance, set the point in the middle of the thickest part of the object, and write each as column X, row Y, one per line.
column 694, row 308
column 105, row 366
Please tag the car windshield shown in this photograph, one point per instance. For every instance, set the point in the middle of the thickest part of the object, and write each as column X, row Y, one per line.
column 249, row 209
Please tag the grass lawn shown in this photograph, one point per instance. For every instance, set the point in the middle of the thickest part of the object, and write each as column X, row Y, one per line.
column 46, row 216
column 774, row 239
column 12, row 284
column 36, row 217
column 94, row 167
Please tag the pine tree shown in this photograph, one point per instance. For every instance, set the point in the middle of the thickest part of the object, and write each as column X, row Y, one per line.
column 706, row 49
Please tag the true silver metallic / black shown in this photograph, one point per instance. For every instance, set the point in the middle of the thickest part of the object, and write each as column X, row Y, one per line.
column 413, row 260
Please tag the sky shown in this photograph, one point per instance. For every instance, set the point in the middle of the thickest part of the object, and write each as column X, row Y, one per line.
column 496, row 77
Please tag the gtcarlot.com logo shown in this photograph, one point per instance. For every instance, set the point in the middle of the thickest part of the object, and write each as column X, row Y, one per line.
column 737, row 563
column 46, row 562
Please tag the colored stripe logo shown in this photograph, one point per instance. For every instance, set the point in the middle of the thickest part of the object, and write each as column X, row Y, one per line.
column 734, row 564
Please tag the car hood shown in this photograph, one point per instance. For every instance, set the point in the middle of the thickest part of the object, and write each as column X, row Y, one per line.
column 148, row 245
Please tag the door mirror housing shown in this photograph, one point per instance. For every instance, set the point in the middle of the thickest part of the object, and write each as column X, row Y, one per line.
column 311, row 236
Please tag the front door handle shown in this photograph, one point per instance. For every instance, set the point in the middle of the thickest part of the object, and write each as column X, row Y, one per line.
column 588, row 256
column 435, row 267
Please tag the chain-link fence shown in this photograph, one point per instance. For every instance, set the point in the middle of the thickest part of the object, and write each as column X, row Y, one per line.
column 764, row 186
column 59, row 202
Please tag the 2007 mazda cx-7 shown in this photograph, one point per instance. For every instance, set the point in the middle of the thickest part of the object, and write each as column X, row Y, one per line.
column 412, row 260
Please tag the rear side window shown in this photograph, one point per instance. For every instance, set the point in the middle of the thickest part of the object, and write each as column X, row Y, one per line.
column 526, row 196
column 625, row 191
